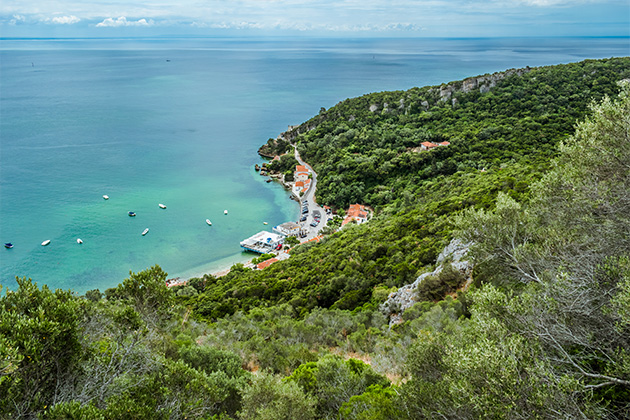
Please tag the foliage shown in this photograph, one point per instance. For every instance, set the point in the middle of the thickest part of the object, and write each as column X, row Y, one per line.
column 263, row 257
column 269, row 398
column 332, row 381
column 40, row 330
column 435, row 287
column 376, row 403
column 117, row 358
column 369, row 157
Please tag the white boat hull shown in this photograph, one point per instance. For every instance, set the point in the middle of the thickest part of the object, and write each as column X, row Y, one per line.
column 106, row 197
column 162, row 206
column 144, row 232
column 46, row 242
column 79, row 241
column 208, row 222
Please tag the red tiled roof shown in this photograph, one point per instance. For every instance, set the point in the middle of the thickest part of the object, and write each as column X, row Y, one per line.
column 266, row 263
column 356, row 210
column 301, row 168
column 445, row 143
column 317, row 238
column 299, row 183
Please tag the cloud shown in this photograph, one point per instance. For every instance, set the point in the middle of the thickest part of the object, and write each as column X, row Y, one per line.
column 64, row 20
column 17, row 19
column 122, row 21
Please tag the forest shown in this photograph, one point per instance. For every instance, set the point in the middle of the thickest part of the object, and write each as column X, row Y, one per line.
column 536, row 178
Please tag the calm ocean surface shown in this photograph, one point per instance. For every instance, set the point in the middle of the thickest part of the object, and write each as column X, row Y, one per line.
column 179, row 121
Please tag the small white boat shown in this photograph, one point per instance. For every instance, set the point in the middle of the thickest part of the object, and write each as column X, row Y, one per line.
column 208, row 222
column 79, row 240
column 144, row 232
column 225, row 212
column 265, row 223
column 162, row 206
column 106, row 197
column 46, row 242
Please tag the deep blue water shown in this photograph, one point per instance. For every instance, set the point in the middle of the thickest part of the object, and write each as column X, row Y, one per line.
column 178, row 121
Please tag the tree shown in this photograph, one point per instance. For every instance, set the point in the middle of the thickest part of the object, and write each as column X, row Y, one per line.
column 291, row 241
column 269, row 398
column 40, row 336
column 570, row 247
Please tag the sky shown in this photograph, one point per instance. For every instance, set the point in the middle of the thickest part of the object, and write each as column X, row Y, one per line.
column 405, row 18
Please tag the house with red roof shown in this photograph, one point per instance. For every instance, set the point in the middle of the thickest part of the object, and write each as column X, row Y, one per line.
column 301, row 173
column 427, row 145
column 357, row 212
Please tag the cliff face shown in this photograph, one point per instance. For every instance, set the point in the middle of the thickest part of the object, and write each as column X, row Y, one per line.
column 482, row 83
column 404, row 298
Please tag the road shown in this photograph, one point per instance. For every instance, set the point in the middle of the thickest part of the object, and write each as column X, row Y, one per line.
column 313, row 207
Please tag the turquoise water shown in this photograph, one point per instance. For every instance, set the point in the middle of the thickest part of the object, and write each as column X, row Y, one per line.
column 178, row 121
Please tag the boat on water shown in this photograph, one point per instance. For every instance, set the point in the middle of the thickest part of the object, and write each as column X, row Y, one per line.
column 162, row 206
column 46, row 242
column 79, row 240
column 8, row 245
column 131, row 214
column 106, row 197
column 225, row 212
column 265, row 223
column 208, row 222
column 144, row 232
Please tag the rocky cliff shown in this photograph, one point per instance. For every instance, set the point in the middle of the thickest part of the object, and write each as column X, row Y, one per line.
column 455, row 253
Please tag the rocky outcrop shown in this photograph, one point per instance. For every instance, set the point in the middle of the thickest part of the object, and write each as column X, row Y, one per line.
column 404, row 298
column 482, row 83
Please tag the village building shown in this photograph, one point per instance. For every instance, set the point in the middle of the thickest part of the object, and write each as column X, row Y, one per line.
column 358, row 213
column 301, row 173
column 288, row 229
column 263, row 242
column 427, row 145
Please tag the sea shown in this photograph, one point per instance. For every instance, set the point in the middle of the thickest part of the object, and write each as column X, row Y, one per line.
column 178, row 121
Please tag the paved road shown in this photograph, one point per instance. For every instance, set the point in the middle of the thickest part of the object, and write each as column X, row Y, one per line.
column 313, row 207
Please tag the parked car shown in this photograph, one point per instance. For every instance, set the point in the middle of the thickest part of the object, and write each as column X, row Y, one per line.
column 314, row 224
column 303, row 219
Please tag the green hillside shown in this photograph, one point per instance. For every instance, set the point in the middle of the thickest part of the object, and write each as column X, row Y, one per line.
column 536, row 177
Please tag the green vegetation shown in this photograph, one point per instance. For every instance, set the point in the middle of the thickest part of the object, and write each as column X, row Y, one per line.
column 542, row 332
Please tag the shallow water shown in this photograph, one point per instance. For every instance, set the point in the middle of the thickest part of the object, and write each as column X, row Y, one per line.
column 178, row 121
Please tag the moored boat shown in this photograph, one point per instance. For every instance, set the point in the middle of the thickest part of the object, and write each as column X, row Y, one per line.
column 225, row 212
column 208, row 222
column 106, row 197
column 79, row 240
column 8, row 245
column 131, row 214
column 162, row 206
column 46, row 242
column 144, row 232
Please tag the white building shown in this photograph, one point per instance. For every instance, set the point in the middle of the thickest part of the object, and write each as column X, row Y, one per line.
column 263, row 242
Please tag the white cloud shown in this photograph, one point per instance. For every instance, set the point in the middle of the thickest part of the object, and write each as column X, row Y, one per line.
column 16, row 19
column 122, row 21
column 64, row 20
